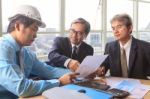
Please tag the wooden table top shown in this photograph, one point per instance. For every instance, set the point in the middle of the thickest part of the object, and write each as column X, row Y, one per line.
column 145, row 82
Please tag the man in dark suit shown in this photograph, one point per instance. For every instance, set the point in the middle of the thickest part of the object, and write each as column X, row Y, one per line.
column 70, row 51
column 136, row 62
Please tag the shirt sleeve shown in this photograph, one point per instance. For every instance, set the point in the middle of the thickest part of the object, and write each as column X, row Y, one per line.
column 13, row 80
column 67, row 62
column 55, row 56
column 46, row 71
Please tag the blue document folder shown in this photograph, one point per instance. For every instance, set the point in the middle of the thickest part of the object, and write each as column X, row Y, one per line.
column 92, row 93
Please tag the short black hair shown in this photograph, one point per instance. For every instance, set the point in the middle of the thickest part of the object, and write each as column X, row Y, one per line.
column 22, row 19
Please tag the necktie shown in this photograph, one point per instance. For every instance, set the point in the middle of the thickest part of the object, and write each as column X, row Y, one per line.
column 124, row 63
column 17, row 57
column 74, row 53
column 20, row 59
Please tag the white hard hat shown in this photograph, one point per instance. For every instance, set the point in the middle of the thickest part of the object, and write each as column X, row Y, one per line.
column 28, row 11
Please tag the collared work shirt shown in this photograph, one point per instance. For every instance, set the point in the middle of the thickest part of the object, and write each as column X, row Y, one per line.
column 14, row 82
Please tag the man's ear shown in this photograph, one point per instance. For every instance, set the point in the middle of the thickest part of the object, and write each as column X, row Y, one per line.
column 85, row 36
column 18, row 26
column 130, row 29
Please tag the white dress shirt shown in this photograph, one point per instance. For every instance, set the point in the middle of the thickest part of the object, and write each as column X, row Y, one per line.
column 127, row 48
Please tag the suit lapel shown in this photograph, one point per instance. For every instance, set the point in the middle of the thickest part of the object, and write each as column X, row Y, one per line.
column 133, row 52
column 117, row 57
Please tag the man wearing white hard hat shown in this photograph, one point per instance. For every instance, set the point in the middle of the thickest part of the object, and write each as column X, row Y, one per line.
column 17, row 62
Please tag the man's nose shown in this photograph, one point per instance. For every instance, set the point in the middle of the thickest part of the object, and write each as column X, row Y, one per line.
column 115, row 30
column 74, row 34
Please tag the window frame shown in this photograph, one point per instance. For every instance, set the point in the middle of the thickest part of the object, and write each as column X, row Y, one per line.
column 103, row 31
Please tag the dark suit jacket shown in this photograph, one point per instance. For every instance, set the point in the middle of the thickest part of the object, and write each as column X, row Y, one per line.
column 61, row 50
column 139, row 59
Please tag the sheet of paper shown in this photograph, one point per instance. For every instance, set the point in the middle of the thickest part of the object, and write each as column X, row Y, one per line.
column 114, row 81
column 140, row 91
column 90, row 64
column 133, row 86
column 127, row 85
column 62, row 93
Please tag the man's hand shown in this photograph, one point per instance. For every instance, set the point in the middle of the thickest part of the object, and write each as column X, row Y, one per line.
column 73, row 65
column 67, row 78
column 100, row 71
column 91, row 76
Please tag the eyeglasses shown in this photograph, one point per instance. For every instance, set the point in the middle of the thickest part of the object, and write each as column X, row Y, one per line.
column 78, row 33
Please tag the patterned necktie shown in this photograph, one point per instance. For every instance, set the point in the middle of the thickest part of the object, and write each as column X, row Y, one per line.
column 124, row 63
column 74, row 53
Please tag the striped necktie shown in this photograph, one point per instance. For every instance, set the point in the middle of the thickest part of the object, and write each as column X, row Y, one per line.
column 124, row 63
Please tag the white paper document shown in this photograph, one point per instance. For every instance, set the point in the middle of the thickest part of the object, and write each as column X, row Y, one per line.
column 62, row 93
column 133, row 86
column 128, row 84
column 140, row 91
column 116, row 81
column 90, row 64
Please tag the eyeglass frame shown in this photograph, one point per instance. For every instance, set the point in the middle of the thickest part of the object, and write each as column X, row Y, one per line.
column 78, row 33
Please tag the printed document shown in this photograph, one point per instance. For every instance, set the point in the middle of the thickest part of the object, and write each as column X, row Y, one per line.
column 133, row 86
column 90, row 64
column 128, row 84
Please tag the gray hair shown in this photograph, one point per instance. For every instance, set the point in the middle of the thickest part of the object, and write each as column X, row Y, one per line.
column 83, row 21
column 125, row 18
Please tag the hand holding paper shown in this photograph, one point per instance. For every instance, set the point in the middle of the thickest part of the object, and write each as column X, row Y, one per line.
column 100, row 71
column 73, row 65
column 90, row 64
